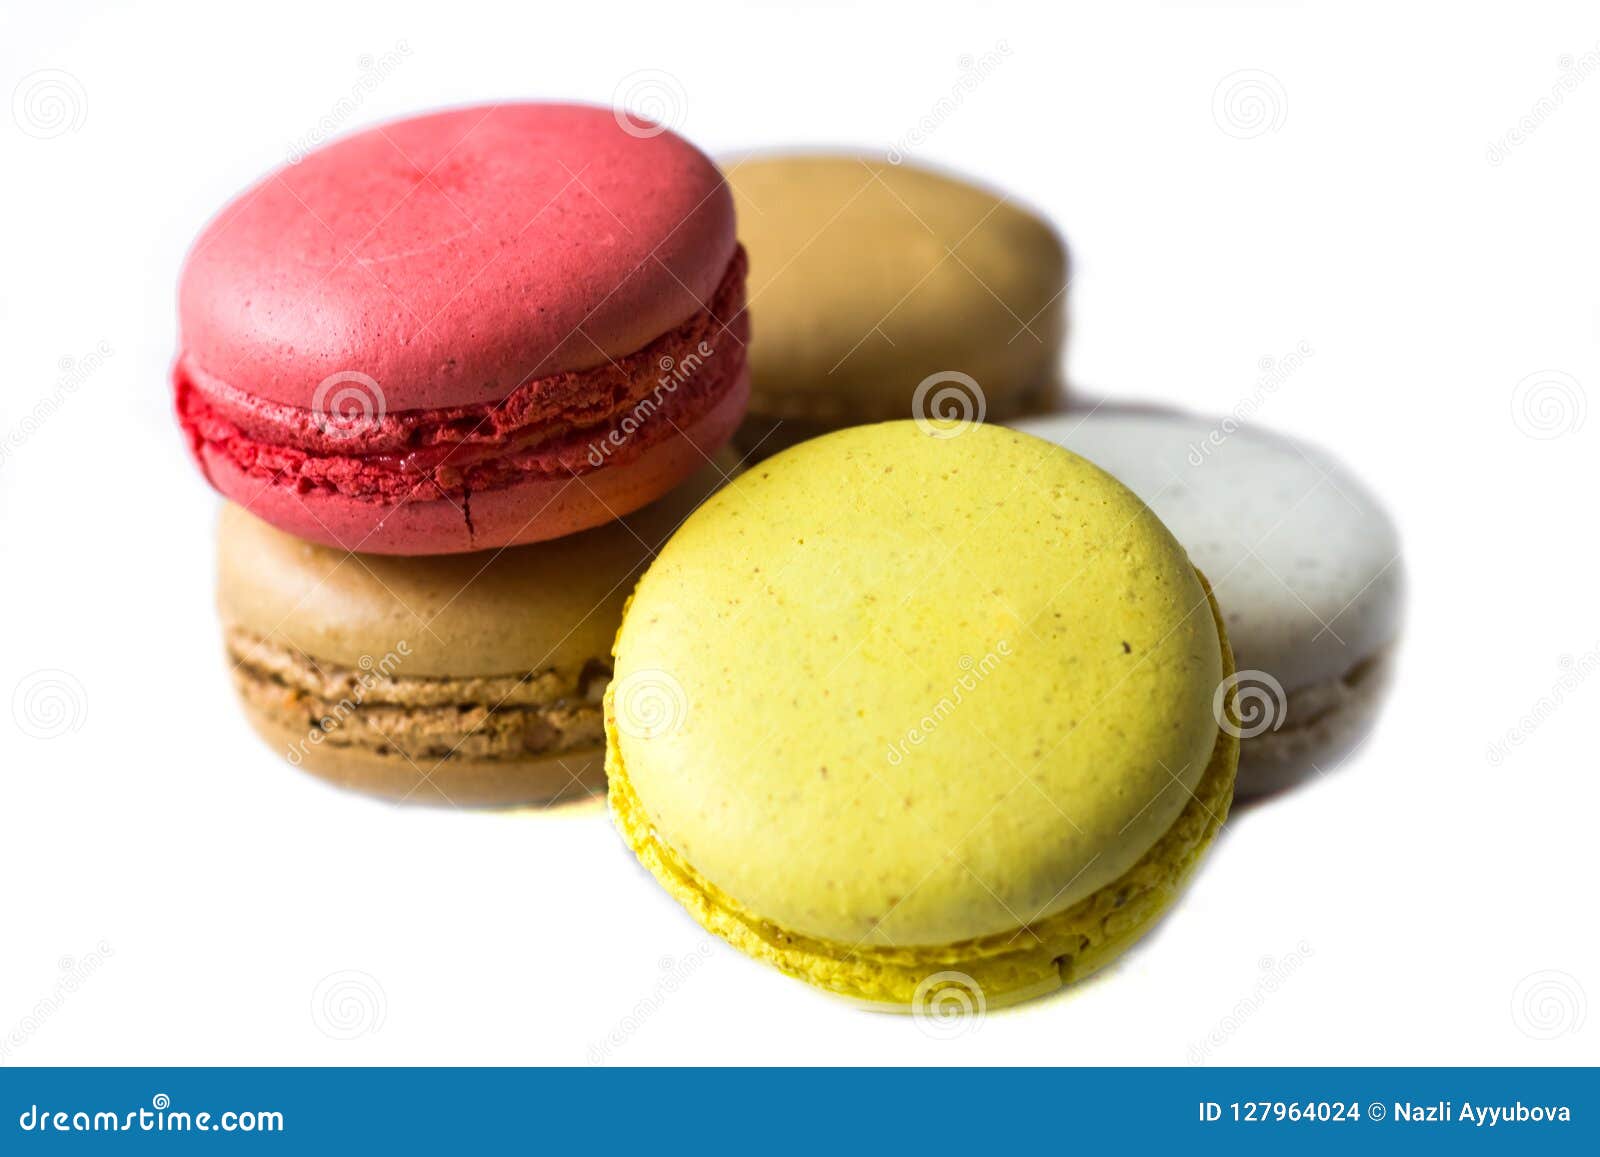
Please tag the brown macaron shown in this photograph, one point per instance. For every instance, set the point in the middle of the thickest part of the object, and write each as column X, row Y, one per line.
column 469, row 679
column 883, row 291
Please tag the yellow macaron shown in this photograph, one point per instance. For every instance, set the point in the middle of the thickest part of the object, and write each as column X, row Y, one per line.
column 920, row 701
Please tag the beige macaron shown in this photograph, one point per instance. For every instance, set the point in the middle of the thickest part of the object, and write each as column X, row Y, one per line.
column 468, row 679
column 884, row 291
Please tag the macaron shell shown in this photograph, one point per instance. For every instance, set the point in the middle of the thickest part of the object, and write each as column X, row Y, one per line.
column 451, row 256
column 537, row 510
column 842, row 594
column 871, row 277
column 548, row 606
column 1305, row 562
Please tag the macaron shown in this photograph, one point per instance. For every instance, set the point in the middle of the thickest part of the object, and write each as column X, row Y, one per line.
column 887, row 290
column 1305, row 562
column 912, row 706
column 480, row 327
column 467, row 679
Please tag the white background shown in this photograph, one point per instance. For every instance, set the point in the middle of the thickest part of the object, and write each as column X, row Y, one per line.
column 1417, row 889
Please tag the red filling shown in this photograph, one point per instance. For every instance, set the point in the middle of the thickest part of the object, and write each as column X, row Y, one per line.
column 569, row 422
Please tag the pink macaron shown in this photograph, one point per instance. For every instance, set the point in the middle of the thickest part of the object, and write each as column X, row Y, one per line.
column 480, row 327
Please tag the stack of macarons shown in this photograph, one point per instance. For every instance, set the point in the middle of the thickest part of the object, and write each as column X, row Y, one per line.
column 935, row 704
column 458, row 377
